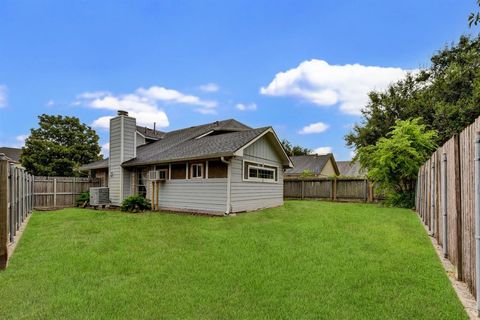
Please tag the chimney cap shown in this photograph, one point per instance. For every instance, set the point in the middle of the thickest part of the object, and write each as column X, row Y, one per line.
column 122, row 113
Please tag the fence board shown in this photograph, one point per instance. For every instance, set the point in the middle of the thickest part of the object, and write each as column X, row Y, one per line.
column 60, row 192
column 460, row 201
column 341, row 189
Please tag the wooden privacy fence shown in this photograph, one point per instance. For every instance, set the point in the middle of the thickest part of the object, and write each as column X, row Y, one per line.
column 340, row 189
column 445, row 201
column 60, row 192
column 16, row 204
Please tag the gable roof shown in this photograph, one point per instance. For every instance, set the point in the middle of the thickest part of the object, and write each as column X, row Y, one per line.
column 314, row 163
column 351, row 169
column 217, row 139
column 12, row 153
column 216, row 145
column 100, row 164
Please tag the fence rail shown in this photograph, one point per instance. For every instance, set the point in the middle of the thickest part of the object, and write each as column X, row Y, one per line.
column 445, row 201
column 340, row 189
column 16, row 204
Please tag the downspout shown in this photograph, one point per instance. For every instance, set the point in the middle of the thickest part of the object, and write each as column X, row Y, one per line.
column 443, row 176
column 477, row 217
column 229, row 183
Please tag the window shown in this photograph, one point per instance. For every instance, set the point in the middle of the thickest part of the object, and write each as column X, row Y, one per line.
column 141, row 186
column 259, row 172
column 196, row 170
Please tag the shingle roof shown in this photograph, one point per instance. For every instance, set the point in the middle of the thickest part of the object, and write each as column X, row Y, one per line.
column 150, row 133
column 350, row 169
column 101, row 164
column 12, row 153
column 178, row 148
column 314, row 163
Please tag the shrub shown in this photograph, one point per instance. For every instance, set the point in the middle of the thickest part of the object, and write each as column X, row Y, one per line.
column 135, row 203
column 83, row 199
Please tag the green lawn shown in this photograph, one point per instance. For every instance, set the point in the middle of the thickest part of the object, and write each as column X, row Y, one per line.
column 306, row 260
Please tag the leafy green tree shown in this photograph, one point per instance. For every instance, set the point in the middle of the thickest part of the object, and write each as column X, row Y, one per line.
column 474, row 17
column 59, row 146
column 446, row 96
column 394, row 160
column 297, row 150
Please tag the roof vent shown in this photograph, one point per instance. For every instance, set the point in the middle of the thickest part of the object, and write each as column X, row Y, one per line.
column 122, row 113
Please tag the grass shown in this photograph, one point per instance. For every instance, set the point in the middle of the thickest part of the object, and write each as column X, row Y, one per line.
column 306, row 260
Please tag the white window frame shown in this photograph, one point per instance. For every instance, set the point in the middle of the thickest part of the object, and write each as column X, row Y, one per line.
column 192, row 170
column 262, row 166
column 166, row 173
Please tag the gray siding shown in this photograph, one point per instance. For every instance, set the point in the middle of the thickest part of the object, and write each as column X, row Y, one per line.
column 140, row 140
column 252, row 195
column 122, row 148
column 198, row 195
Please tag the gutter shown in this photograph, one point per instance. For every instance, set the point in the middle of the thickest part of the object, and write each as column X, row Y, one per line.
column 229, row 185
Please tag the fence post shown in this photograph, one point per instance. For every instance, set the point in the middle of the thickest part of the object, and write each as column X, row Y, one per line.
column 432, row 197
column 303, row 189
column 55, row 192
column 458, row 206
column 3, row 211
column 74, row 191
column 443, row 188
column 334, row 189
column 477, row 218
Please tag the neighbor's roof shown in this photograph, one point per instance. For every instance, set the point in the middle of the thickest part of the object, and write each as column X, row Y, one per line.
column 101, row 164
column 314, row 163
column 351, row 169
column 12, row 153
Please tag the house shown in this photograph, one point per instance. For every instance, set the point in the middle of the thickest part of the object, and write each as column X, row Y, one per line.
column 217, row 168
column 319, row 166
column 351, row 169
column 13, row 154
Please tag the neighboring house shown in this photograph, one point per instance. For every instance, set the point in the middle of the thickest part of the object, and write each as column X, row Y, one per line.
column 13, row 154
column 351, row 169
column 316, row 165
column 217, row 168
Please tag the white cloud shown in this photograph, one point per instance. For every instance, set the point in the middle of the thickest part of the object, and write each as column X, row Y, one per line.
column 105, row 149
column 19, row 141
column 323, row 84
column 246, row 107
column 3, row 96
column 50, row 103
column 322, row 150
column 209, row 87
column 142, row 104
column 318, row 127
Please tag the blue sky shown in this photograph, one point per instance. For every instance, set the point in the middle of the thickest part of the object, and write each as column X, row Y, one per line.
column 301, row 66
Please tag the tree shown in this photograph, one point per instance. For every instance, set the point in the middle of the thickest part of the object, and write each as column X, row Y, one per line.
column 297, row 150
column 446, row 96
column 394, row 160
column 474, row 17
column 59, row 146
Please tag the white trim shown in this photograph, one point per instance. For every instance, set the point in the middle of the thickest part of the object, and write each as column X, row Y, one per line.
column 186, row 170
column 169, row 171
column 145, row 137
column 204, row 135
column 206, row 169
column 260, row 165
column 191, row 170
column 135, row 144
column 239, row 152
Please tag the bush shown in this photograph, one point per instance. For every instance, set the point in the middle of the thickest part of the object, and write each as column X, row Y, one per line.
column 135, row 203
column 83, row 199
column 404, row 199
